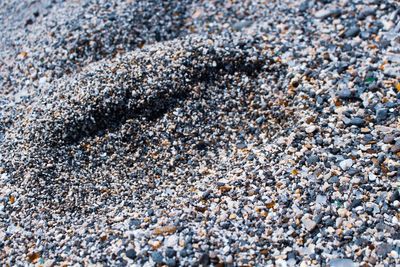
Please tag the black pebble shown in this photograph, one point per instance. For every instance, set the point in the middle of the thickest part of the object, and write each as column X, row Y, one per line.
column 170, row 252
column 355, row 203
column 130, row 253
column 205, row 259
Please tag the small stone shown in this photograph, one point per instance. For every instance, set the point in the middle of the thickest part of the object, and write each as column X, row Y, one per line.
column 342, row 212
column 171, row 241
column 365, row 35
column 313, row 159
column 371, row 177
column 333, row 180
column 353, row 171
column 229, row 259
column 303, row 6
column 357, row 121
column 131, row 253
column 394, row 254
column 241, row 145
column 384, row 249
column 260, row 120
column 311, row 129
column 381, row 114
column 352, row 32
column 157, row 257
column 325, row 13
column 389, row 139
column 345, row 94
column 308, row 224
column 150, row 212
column 170, row 252
column 242, row 24
column 346, row 164
column 169, row 229
column 395, row 148
column 205, row 259
column 355, row 203
column 368, row 11
column 395, row 195
column 321, row 199
column 342, row 263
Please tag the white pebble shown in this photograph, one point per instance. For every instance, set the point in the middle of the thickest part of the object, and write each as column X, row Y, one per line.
column 346, row 164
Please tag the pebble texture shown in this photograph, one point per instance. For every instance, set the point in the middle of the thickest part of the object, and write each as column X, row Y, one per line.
column 198, row 133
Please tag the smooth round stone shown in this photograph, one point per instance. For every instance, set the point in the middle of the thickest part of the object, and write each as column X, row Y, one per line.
column 157, row 257
column 389, row 139
column 352, row 32
column 131, row 253
column 346, row 164
column 344, row 94
column 357, row 121
column 381, row 114
column 170, row 252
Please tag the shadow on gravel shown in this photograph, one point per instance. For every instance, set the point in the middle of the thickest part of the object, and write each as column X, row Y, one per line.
column 111, row 117
column 66, row 176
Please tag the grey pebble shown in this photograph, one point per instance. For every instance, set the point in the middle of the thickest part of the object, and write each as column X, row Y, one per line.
column 157, row 257
column 345, row 94
column 357, row 121
column 383, row 249
column 325, row 13
column 389, row 138
column 313, row 159
column 381, row 114
column 352, row 32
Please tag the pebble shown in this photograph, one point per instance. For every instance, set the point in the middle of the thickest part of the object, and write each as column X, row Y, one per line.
column 229, row 259
column 383, row 249
column 170, row 252
column 313, row 159
column 325, row 13
column 321, row 199
column 308, row 224
column 367, row 11
column 389, row 139
column 171, row 241
column 346, row 164
column 381, row 114
column 311, row 129
column 157, row 257
column 372, row 177
column 357, row 121
column 352, row 32
column 205, row 259
column 130, row 253
column 345, row 94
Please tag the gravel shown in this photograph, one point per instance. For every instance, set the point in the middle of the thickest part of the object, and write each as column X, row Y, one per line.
column 197, row 133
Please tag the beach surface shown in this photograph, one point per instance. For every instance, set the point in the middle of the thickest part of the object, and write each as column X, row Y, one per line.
column 200, row 133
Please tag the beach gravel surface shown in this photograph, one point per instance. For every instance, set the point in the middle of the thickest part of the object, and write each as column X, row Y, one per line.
column 200, row 133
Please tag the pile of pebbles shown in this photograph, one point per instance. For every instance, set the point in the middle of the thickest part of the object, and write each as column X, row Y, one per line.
column 186, row 133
